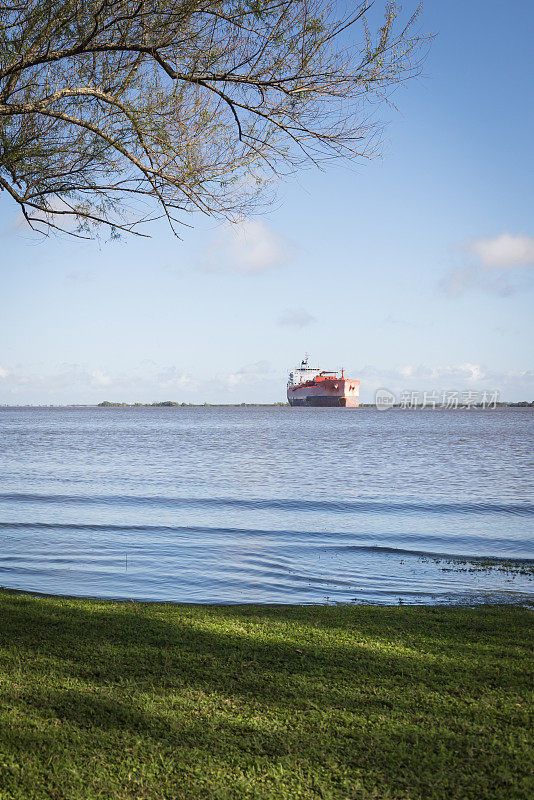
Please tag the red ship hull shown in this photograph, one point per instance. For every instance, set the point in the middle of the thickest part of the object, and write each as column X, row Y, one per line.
column 325, row 391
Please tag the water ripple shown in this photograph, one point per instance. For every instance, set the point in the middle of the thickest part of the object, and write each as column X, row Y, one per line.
column 278, row 504
column 266, row 505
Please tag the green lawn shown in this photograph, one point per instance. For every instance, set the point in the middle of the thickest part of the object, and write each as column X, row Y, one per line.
column 137, row 700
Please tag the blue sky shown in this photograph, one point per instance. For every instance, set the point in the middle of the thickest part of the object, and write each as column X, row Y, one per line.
column 413, row 271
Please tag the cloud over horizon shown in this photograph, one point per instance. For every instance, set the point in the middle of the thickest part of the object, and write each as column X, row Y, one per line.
column 511, row 384
column 504, row 252
column 296, row 318
column 77, row 384
column 249, row 246
column 259, row 381
column 257, row 368
column 497, row 265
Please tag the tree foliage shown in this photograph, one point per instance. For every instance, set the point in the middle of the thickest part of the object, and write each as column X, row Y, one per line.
column 116, row 111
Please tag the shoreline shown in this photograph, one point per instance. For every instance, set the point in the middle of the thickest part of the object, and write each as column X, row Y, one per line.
column 103, row 698
column 476, row 599
column 467, row 598
column 367, row 406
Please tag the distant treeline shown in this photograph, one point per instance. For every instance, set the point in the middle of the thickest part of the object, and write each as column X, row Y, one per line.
column 172, row 403
column 175, row 404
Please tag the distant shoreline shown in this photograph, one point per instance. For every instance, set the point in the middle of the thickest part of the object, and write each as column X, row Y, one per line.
column 176, row 404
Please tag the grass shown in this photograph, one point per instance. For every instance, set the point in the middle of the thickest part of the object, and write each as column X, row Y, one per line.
column 132, row 700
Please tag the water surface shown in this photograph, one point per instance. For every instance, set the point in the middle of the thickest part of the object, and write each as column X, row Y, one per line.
column 273, row 505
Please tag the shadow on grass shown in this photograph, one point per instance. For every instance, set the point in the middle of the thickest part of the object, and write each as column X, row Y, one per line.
column 325, row 701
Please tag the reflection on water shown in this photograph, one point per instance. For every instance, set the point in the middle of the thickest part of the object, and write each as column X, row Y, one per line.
column 266, row 504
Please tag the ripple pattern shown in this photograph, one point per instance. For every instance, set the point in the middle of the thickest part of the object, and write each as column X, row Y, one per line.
column 267, row 504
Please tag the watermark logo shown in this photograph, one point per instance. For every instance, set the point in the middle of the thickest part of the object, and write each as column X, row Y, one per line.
column 384, row 399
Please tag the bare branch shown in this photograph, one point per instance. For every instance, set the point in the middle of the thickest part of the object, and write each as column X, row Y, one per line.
column 113, row 107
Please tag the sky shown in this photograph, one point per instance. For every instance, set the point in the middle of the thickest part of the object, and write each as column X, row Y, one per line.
column 413, row 271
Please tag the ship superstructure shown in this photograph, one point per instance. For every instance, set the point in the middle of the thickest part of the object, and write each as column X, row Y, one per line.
column 311, row 386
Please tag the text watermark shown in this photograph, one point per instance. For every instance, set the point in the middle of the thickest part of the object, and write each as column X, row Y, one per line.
column 449, row 398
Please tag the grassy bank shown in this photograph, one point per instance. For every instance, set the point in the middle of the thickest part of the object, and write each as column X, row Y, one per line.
column 129, row 700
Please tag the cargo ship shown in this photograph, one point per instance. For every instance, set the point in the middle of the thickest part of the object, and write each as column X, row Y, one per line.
column 311, row 386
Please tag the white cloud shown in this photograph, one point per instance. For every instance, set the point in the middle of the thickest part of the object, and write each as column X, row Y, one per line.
column 172, row 378
column 504, row 252
column 460, row 373
column 230, row 381
column 458, row 280
column 254, row 382
column 249, row 246
column 67, row 221
column 100, row 378
column 463, row 279
column 296, row 318
column 248, row 375
column 81, row 276
column 497, row 265
column 257, row 368
column 405, row 372
column 511, row 384
column 75, row 383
